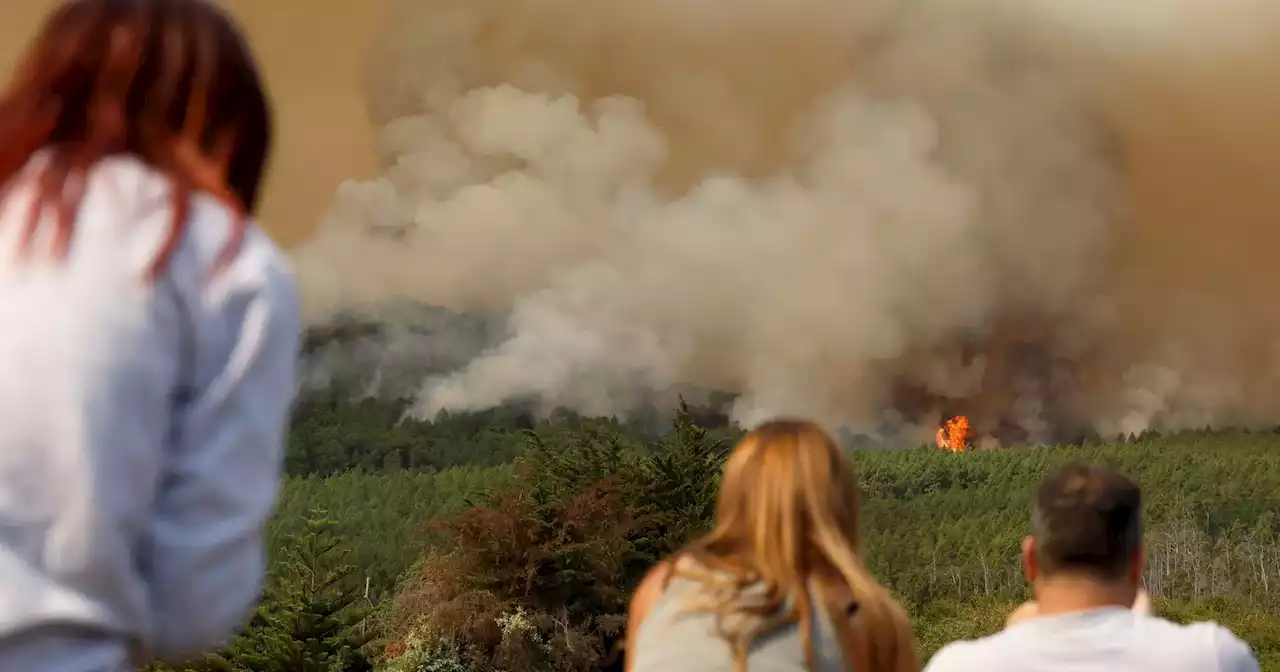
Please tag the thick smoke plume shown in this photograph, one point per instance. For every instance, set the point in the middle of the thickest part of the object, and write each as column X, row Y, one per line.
column 871, row 212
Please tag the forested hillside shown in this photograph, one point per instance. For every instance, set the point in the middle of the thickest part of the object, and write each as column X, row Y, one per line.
column 493, row 542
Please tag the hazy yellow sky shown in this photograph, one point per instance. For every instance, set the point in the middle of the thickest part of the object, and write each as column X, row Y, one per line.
column 311, row 51
column 1202, row 145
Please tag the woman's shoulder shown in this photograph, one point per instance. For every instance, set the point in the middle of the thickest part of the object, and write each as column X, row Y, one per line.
column 655, row 581
column 223, row 260
column 132, row 188
column 658, row 580
column 213, row 229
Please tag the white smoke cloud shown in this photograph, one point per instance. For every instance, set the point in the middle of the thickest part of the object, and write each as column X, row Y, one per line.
column 803, row 201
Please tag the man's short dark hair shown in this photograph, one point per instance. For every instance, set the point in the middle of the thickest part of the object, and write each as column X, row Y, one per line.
column 1087, row 520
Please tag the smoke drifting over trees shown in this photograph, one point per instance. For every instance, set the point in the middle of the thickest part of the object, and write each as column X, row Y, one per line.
column 874, row 213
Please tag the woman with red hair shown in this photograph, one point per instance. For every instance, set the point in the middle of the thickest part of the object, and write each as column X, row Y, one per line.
column 148, row 334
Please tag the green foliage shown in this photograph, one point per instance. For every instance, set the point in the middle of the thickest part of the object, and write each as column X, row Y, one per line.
column 941, row 622
column 383, row 516
column 331, row 433
column 311, row 618
column 538, row 576
column 330, row 436
column 503, row 544
column 947, row 526
column 678, row 484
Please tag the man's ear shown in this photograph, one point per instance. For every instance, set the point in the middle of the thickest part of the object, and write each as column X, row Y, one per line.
column 1030, row 564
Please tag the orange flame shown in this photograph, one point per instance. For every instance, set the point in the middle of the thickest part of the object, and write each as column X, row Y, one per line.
column 954, row 434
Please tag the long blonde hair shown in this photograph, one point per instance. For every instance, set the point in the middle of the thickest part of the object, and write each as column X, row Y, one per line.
column 787, row 520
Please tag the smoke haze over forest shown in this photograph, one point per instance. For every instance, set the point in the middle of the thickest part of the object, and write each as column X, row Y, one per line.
column 1050, row 216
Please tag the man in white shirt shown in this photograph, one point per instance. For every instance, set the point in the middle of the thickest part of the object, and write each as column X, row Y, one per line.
column 1084, row 561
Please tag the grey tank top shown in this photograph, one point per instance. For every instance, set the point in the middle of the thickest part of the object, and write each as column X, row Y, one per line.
column 672, row 639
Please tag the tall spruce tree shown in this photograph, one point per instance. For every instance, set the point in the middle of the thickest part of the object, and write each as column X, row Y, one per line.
column 310, row 620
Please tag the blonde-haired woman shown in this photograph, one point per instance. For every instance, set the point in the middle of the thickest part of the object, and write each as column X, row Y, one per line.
column 777, row 585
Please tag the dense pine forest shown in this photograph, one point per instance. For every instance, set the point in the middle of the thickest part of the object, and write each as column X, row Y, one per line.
column 491, row 541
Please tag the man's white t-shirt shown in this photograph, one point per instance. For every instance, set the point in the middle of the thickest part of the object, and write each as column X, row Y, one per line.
column 1110, row 639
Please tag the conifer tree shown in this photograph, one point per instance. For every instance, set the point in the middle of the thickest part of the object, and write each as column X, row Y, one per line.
column 681, row 481
column 311, row 617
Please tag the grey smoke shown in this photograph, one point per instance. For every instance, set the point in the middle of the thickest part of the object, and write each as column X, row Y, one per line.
column 807, row 202
column 388, row 350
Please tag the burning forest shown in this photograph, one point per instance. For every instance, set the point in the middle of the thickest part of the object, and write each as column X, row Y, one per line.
column 893, row 217
column 953, row 435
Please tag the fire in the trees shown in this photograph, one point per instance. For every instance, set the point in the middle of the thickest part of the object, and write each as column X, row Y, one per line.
column 953, row 435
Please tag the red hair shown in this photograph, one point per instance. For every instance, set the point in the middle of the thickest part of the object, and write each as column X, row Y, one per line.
column 170, row 82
